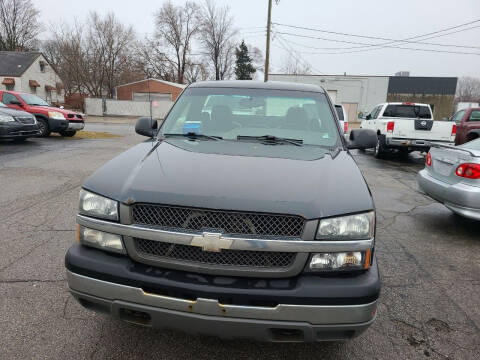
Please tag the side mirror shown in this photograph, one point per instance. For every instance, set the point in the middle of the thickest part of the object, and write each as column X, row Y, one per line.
column 146, row 126
column 368, row 117
column 362, row 139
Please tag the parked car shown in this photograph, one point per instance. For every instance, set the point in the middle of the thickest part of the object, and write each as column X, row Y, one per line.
column 17, row 125
column 452, row 177
column 49, row 118
column 251, row 224
column 407, row 127
column 342, row 118
column 468, row 125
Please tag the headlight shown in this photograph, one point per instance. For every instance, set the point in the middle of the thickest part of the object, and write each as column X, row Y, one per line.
column 56, row 115
column 6, row 118
column 97, row 206
column 99, row 239
column 340, row 261
column 351, row 227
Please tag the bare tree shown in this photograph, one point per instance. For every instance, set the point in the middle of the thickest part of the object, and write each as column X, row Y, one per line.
column 108, row 43
column 196, row 72
column 19, row 25
column 295, row 67
column 96, row 60
column 216, row 37
column 468, row 89
column 175, row 27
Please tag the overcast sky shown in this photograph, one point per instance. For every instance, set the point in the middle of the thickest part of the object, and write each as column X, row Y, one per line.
column 377, row 18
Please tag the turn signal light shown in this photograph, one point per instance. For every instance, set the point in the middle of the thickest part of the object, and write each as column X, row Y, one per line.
column 469, row 171
column 390, row 126
column 454, row 129
column 428, row 160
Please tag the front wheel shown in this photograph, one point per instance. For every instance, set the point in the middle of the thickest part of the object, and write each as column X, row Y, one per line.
column 68, row 133
column 43, row 127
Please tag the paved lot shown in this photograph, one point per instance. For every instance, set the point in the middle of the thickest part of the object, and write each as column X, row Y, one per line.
column 428, row 257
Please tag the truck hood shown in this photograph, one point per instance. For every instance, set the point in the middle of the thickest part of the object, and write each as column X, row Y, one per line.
column 245, row 176
column 13, row 112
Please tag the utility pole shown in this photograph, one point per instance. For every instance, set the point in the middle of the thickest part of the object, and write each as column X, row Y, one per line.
column 267, row 49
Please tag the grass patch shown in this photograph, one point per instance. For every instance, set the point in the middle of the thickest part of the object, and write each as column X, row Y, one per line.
column 90, row 135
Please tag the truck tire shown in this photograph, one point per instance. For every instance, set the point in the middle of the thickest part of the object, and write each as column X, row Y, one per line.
column 43, row 127
column 68, row 133
column 380, row 150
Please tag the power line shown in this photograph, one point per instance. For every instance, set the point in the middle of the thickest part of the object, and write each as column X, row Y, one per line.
column 373, row 46
column 294, row 53
column 407, row 40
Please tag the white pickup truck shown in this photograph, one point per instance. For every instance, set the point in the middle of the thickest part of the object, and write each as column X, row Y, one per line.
column 407, row 127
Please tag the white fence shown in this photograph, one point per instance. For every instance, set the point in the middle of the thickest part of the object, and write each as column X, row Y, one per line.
column 107, row 107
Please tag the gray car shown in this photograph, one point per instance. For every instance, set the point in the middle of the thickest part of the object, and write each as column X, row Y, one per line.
column 17, row 125
column 452, row 177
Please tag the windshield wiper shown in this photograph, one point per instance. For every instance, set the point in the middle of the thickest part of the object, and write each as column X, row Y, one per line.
column 272, row 139
column 194, row 135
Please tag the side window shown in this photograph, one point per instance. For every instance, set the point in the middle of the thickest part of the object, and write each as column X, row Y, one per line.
column 376, row 111
column 458, row 116
column 8, row 98
column 474, row 115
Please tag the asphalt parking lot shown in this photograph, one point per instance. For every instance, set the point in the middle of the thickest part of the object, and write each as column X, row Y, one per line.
column 429, row 261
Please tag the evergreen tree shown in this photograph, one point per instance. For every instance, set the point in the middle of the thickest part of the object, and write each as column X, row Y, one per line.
column 243, row 65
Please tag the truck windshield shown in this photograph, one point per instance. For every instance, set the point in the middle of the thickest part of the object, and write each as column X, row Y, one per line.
column 408, row 111
column 33, row 100
column 230, row 113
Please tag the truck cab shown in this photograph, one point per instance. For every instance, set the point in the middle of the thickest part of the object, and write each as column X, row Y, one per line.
column 468, row 125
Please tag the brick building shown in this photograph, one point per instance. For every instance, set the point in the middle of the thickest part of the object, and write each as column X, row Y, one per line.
column 149, row 89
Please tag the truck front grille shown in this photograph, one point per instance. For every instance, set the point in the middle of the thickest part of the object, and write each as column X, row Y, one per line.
column 193, row 254
column 227, row 222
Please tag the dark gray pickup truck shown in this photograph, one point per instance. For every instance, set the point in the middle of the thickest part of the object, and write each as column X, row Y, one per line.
column 243, row 216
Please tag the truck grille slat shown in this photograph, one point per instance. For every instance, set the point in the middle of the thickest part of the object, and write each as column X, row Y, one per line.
column 229, row 222
column 194, row 254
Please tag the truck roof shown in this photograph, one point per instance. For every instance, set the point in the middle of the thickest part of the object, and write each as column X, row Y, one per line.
column 250, row 84
column 404, row 103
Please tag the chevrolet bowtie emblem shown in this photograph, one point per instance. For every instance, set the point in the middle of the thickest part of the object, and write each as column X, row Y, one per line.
column 211, row 242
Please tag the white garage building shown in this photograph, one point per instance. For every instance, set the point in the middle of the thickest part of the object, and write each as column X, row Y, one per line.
column 355, row 93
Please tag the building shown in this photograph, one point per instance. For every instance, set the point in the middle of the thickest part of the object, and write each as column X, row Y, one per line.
column 439, row 92
column 359, row 94
column 402, row 73
column 149, row 89
column 30, row 72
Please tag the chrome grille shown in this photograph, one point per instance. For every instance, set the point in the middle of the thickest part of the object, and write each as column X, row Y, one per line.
column 25, row 120
column 227, row 222
column 194, row 254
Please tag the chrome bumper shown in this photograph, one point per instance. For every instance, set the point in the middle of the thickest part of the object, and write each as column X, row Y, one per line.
column 76, row 126
column 461, row 198
column 283, row 322
column 413, row 142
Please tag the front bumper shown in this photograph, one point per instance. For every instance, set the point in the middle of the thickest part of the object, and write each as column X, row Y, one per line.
column 461, row 198
column 76, row 126
column 14, row 130
column 303, row 308
column 57, row 125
